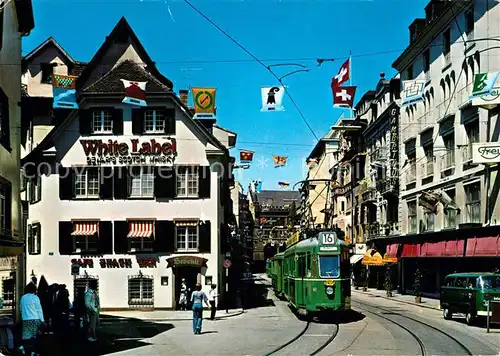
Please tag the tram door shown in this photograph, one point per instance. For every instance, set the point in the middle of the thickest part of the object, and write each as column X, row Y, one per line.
column 301, row 284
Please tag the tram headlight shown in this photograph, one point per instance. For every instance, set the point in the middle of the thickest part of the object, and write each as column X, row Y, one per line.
column 329, row 290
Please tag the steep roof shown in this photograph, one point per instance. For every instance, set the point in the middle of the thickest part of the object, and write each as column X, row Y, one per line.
column 121, row 31
column 278, row 197
column 128, row 70
column 47, row 43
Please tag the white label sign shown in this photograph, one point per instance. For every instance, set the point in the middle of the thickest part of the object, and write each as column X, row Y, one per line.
column 328, row 239
column 333, row 248
column 486, row 152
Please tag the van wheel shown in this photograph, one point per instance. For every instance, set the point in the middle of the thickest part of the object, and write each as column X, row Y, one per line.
column 447, row 315
column 470, row 319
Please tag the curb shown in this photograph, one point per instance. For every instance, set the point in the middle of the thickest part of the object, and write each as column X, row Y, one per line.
column 222, row 317
column 397, row 300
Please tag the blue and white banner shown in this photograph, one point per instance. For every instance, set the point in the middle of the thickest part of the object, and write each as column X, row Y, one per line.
column 483, row 84
column 413, row 92
column 64, row 91
column 272, row 98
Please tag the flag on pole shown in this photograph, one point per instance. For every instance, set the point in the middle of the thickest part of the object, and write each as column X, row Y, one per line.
column 272, row 98
column 64, row 91
column 246, row 156
column 283, row 184
column 343, row 75
column 343, row 97
column 135, row 93
column 279, row 161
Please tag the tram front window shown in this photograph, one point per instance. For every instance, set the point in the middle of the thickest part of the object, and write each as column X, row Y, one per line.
column 329, row 266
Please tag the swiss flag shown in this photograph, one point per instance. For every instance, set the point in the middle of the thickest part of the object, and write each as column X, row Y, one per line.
column 343, row 96
column 343, row 75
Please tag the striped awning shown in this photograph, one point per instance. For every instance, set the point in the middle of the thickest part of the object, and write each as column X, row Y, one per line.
column 85, row 228
column 139, row 229
column 186, row 223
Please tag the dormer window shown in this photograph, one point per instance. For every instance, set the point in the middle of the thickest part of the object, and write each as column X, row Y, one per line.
column 47, row 72
column 154, row 121
column 102, row 122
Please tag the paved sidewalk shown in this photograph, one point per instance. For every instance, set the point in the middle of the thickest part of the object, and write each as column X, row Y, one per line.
column 402, row 298
column 167, row 315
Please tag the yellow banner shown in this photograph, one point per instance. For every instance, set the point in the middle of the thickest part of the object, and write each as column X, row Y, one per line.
column 293, row 239
column 204, row 100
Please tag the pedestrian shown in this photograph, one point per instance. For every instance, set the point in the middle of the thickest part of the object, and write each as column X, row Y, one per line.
column 93, row 307
column 62, row 305
column 32, row 318
column 212, row 296
column 198, row 297
column 183, row 295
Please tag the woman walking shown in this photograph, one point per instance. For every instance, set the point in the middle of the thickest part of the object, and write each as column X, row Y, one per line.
column 212, row 296
column 198, row 297
column 93, row 307
column 32, row 317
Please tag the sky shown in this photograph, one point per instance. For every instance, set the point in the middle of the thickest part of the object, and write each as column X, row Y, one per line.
column 193, row 53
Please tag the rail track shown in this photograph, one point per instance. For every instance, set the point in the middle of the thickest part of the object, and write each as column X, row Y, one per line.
column 407, row 329
column 302, row 341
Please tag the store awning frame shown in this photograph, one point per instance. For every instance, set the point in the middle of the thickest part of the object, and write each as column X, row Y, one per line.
column 85, row 228
column 355, row 259
column 140, row 229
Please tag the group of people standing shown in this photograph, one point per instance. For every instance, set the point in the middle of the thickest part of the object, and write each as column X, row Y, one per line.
column 198, row 298
column 50, row 311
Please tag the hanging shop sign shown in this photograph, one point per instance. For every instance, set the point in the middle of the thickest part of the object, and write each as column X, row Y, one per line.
column 186, row 261
column 485, row 152
column 153, row 152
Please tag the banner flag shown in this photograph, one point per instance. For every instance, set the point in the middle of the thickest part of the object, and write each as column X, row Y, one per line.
column 135, row 93
column 343, row 97
column 246, row 156
column 64, row 91
column 204, row 100
column 272, row 98
column 279, row 161
column 483, row 84
column 413, row 92
column 343, row 75
column 284, row 184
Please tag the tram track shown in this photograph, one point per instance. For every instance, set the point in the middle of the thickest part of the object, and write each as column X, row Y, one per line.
column 412, row 333
column 311, row 330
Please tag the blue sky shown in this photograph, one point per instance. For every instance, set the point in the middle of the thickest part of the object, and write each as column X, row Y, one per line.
column 191, row 52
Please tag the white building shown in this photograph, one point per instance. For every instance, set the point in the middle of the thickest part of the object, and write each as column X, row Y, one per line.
column 16, row 21
column 133, row 196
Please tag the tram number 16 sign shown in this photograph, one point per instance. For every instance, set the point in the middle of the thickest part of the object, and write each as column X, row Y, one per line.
column 328, row 238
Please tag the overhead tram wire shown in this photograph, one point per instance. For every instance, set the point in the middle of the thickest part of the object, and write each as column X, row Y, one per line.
column 258, row 61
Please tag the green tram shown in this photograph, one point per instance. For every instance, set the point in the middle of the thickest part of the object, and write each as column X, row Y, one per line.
column 314, row 274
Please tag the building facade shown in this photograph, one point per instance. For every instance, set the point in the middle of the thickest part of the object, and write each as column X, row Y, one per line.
column 134, row 197
column 16, row 21
column 449, row 205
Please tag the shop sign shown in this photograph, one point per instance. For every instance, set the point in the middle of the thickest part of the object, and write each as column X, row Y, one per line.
column 9, row 262
column 115, row 263
column 148, row 262
column 485, row 152
column 186, row 261
column 99, row 152
column 83, row 262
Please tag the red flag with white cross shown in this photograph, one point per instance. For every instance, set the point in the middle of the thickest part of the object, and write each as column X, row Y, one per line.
column 343, row 97
column 343, row 75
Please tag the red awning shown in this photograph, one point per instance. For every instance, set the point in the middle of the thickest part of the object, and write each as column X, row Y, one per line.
column 411, row 250
column 483, row 246
column 138, row 229
column 454, row 248
column 391, row 250
column 432, row 249
column 85, row 228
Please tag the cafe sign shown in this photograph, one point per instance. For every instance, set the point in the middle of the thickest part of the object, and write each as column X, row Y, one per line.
column 133, row 151
column 186, row 261
column 486, row 152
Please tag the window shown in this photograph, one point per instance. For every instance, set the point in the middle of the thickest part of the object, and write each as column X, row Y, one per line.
column 87, row 183
column 186, row 235
column 80, row 284
column 141, row 235
column 449, row 155
column 329, row 266
column 428, row 220
column 446, row 41
column 85, row 243
column 473, row 202
column 8, row 292
column 342, row 206
column 450, row 215
column 4, row 120
column 429, row 160
column 469, row 21
column 4, row 205
column 34, row 239
column 154, row 121
column 23, row 181
column 187, row 182
column 140, row 291
column 472, row 131
column 35, row 189
column 47, row 72
column 141, row 182
column 102, row 121
column 427, row 60
column 412, row 216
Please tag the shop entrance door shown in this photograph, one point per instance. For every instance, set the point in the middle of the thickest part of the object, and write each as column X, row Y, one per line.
column 190, row 274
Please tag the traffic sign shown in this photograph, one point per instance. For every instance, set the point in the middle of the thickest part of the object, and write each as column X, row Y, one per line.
column 226, row 263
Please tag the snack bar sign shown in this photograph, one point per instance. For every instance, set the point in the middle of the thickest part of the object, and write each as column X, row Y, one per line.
column 113, row 152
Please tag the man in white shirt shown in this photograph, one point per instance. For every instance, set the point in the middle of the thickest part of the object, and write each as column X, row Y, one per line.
column 212, row 295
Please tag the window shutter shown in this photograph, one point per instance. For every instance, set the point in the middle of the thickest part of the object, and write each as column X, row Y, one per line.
column 117, row 122
column 164, row 182
column 204, row 237
column 204, row 181
column 30, row 239
column 120, row 238
column 4, row 119
column 65, row 238
column 38, row 196
column 85, row 117
column 106, row 183
column 169, row 121
column 105, row 242
column 164, row 237
column 66, row 183
column 120, row 178
column 38, row 246
column 137, row 121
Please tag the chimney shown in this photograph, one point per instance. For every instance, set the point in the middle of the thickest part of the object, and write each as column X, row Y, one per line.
column 434, row 9
column 183, row 95
column 382, row 75
column 416, row 28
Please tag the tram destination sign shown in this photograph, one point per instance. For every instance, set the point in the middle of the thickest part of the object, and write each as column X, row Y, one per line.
column 135, row 151
column 328, row 238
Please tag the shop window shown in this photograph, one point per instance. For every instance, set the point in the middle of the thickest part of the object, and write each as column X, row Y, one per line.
column 154, row 121
column 102, row 122
column 141, row 182
column 8, row 292
column 141, row 235
column 187, row 182
column 35, row 189
column 80, row 284
column 140, row 291
column 186, row 236
column 473, row 202
column 87, row 183
column 34, row 239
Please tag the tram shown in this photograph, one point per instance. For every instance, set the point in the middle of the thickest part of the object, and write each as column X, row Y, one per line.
column 314, row 274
